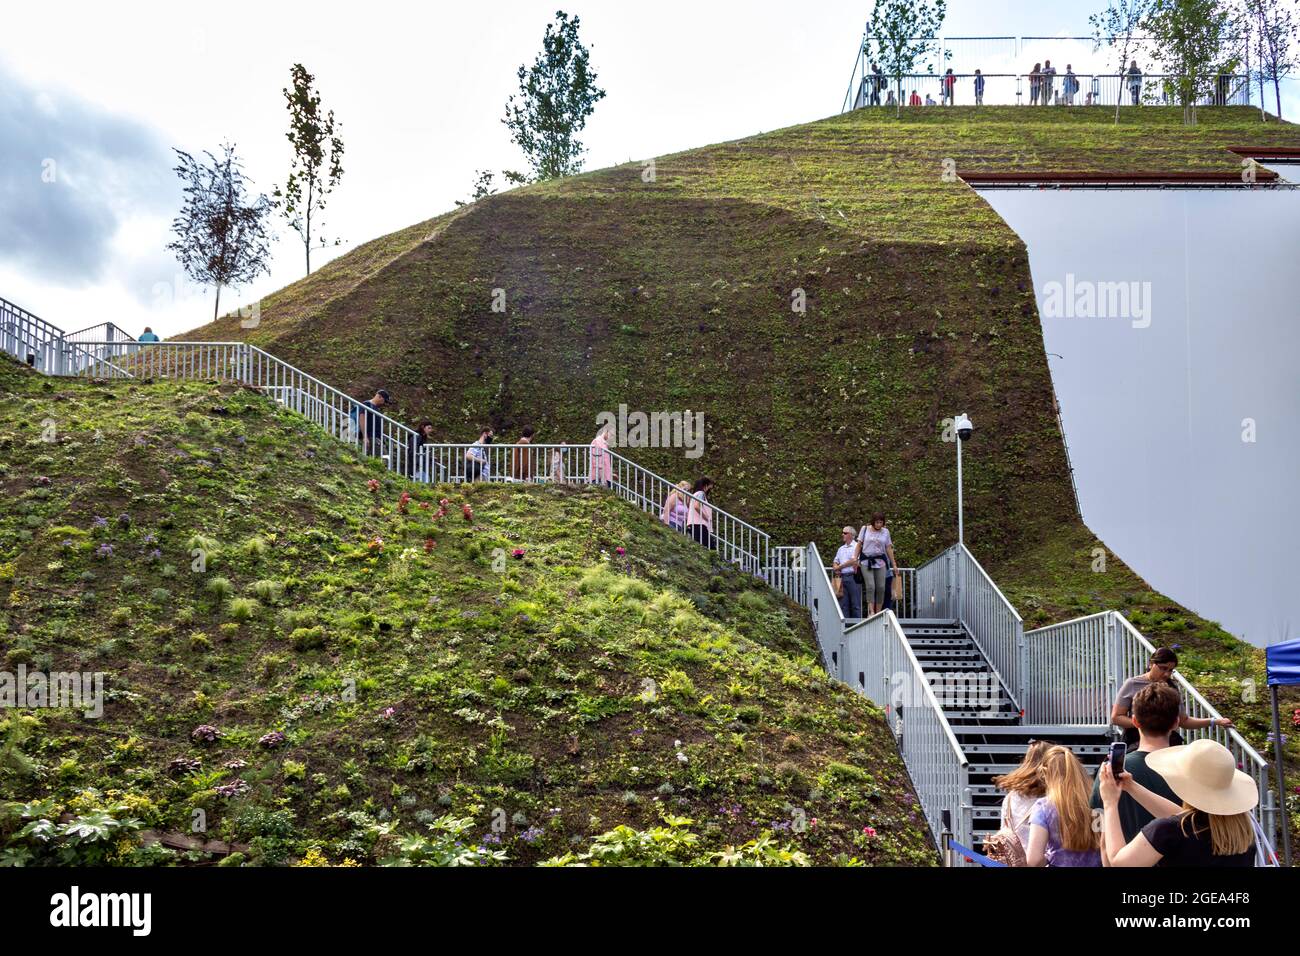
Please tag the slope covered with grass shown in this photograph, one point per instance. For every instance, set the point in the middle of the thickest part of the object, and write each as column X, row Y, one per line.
column 672, row 288
column 319, row 669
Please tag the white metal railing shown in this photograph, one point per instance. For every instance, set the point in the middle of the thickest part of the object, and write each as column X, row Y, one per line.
column 993, row 623
column 877, row 661
column 1074, row 671
column 38, row 343
column 874, row 658
column 1026, row 89
column 787, row 572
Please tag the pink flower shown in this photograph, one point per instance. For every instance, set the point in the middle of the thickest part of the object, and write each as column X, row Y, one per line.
column 518, row 552
column 869, row 831
column 620, row 551
column 388, row 712
column 373, row 485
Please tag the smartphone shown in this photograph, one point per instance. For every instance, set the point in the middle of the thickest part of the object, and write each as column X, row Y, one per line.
column 1118, row 750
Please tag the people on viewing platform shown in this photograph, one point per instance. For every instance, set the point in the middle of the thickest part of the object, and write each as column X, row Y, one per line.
column 1023, row 787
column 367, row 421
column 673, row 512
column 914, row 99
column 1161, row 670
column 877, row 83
column 477, row 466
column 1048, row 80
column 845, row 567
column 949, row 88
column 699, row 516
column 890, row 100
column 1069, row 85
column 1035, row 81
column 521, row 458
column 602, row 465
column 1156, row 709
column 1060, row 826
column 979, row 88
column 929, row 100
column 876, row 554
column 1134, row 76
column 1211, row 827
column 148, row 335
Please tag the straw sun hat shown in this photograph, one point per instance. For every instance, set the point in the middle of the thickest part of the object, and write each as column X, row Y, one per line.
column 1205, row 774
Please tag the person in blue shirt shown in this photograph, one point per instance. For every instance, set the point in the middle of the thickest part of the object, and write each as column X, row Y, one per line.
column 148, row 335
column 979, row 88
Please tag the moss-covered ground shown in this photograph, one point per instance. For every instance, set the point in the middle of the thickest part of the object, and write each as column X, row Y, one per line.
column 319, row 669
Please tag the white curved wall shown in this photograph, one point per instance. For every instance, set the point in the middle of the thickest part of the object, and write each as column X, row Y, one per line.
column 1156, row 404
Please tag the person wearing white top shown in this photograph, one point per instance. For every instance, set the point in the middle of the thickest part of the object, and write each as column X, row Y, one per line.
column 846, row 566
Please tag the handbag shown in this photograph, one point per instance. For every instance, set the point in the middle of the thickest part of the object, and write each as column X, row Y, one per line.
column 1005, row 846
column 898, row 587
column 837, row 586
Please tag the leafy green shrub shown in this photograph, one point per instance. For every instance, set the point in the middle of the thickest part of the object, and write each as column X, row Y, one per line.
column 307, row 638
column 242, row 609
column 220, row 587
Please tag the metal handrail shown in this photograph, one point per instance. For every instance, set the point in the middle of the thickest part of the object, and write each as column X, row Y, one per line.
column 872, row 656
column 1076, row 668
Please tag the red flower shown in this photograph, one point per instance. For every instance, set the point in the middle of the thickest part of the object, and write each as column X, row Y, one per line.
column 373, row 485
column 468, row 512
column 429, row 544
column 424, row 505
column 403, row 501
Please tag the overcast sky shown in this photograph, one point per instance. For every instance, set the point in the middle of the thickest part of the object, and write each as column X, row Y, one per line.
column 92, row 98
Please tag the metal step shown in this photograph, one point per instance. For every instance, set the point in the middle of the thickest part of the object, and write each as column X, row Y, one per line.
column 918, row 643
column 1080, row 750
column 949, row 664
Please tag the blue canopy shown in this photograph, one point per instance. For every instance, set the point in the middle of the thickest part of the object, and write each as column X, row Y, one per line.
column 1283, row 662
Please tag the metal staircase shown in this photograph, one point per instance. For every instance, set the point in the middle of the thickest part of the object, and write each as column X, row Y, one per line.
column 962, row 685
column 988, row 726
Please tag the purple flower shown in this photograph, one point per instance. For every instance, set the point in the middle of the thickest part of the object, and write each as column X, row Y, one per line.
column 100, row 522
column 232, row 789
column 531, row 835
column 620, row 551
column 492, row 838
column 235, row 764
column 42, row 480
column 272, row 740
column 204, row 734
column 66, row 544
column 105, row 550
column 149, row 539
column 124, row 520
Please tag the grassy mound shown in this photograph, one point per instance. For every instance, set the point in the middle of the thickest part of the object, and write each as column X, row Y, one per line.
column 319, row 669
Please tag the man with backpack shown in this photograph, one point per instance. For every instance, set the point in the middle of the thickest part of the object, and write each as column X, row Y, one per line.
column 367, row 421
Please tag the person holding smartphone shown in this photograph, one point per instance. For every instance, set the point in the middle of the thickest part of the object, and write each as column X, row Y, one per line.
column 1155, row 712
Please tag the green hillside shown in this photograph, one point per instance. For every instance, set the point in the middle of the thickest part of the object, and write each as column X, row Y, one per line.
column 670, row 289
column 536, row 674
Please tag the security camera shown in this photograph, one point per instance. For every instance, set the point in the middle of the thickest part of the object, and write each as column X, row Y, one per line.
column 963, row 426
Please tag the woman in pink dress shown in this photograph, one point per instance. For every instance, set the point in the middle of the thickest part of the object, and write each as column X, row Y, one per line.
column 602, row 465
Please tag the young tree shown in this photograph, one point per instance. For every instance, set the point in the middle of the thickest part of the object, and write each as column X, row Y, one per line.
column 317, row 164
column 902, row 33
column 1274, row 31
column 1194, row 40
column 1117, row 28
column 556, row 95
column 221, row 236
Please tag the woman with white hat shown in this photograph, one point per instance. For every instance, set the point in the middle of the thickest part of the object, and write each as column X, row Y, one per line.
column 1213, row 827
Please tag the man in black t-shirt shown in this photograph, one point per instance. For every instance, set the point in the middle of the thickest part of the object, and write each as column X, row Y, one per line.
column 1155, row 711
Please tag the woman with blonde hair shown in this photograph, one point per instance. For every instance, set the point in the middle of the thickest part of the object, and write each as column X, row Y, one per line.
column 1213, row 827
column 673, row 513
column 1023, row 787
column 1060, row 827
